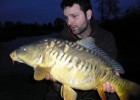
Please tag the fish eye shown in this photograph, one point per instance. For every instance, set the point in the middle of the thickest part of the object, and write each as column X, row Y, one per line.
column 23, row 48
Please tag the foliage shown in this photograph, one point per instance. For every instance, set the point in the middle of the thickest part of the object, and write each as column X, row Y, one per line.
column 10, row 30
column 107, row 9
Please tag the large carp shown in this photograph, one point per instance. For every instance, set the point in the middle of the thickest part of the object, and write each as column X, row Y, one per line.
column 77, row 65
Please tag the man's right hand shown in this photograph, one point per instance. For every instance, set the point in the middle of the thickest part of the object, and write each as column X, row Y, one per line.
column 48, row 77
column 56, row 85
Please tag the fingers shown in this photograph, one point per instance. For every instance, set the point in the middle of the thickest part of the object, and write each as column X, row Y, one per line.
column 48, row 77
column 95, row 88
column 117, row 73
column 107, row 88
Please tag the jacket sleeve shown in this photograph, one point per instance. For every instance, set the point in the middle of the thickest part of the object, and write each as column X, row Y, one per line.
column 106, row 41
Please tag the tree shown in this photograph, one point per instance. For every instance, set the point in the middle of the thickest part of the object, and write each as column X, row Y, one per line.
column 58, row 25
column 0, row 24
column 134, row 9
column 9, row 25
column 49, row 27
column 107, row 9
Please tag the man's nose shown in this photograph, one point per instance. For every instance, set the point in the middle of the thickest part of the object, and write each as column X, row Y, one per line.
column 70, row 21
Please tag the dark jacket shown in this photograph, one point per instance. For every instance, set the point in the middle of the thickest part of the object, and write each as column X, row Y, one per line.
column 103, row 39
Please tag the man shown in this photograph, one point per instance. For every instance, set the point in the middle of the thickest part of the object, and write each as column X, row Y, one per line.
column 79, row 25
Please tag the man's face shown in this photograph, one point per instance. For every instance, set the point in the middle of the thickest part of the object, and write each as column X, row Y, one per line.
column 76, row 19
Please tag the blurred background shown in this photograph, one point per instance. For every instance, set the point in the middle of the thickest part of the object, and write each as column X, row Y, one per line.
column 26, row 21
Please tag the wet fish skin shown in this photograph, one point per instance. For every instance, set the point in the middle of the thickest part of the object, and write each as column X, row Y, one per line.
column 74, row 66
column 89, row 43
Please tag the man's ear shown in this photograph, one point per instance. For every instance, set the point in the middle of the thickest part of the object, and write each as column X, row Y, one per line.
column 89, row 14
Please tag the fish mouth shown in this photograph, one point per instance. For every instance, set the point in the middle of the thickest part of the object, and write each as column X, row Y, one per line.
column 14, row 57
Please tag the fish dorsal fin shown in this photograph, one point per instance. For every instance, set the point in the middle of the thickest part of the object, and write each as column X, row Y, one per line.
column 89, row 43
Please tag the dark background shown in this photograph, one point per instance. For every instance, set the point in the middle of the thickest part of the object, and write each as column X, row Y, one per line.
column 17, row 81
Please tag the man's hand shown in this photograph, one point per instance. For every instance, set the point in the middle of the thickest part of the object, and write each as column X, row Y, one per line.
column 48, row 77
column 107, row 87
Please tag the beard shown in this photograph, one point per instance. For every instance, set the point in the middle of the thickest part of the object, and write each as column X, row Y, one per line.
column 79, row 30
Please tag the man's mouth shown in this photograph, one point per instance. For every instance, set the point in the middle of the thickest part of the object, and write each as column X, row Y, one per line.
column 73, row 28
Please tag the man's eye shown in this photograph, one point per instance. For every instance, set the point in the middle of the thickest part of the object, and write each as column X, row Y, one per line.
column 74, row 16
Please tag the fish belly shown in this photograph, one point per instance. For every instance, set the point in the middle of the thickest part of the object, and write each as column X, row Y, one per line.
column 73, row 78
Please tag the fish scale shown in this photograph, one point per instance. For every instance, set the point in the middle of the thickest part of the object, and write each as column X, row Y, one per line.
column 63, row 57
column 74, row 66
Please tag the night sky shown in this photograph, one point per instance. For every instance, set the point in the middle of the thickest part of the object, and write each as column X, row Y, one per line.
column 17, row 81
column 40, row 11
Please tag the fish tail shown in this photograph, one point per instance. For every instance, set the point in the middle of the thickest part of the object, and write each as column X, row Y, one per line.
column 134, row 89
column 127, row 89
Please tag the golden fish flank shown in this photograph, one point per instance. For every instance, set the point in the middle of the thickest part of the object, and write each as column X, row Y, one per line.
column 74, row 66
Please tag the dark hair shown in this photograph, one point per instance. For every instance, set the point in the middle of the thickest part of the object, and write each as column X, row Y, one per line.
column 85, row 5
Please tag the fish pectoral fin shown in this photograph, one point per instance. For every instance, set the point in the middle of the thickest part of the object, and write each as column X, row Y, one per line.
column 68, row 93
column 101, row 92
column 41, row 72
